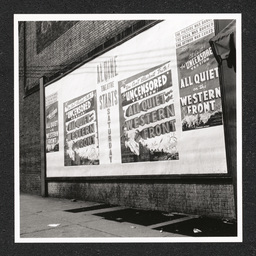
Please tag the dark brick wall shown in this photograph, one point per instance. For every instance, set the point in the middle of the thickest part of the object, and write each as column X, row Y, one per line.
column 29, row 126
column 214, row 200
column 30, row 158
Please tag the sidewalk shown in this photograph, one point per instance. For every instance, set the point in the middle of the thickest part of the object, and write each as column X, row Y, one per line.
column 64, row 218
column 37, row 213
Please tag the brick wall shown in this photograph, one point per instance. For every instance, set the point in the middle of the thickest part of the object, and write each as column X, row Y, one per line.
column 214, row 200
column 30, row 158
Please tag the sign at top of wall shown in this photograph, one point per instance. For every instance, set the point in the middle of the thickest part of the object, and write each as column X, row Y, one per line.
column 147, row 116
column 48, row 31
column 199, row 86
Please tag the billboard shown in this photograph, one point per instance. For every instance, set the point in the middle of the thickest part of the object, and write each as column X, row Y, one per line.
column 143, row 107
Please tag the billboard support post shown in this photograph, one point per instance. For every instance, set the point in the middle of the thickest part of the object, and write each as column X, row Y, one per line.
column 44, row 191
column 227, row 74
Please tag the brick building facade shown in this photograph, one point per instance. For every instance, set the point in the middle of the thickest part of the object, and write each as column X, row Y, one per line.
column 51, row 50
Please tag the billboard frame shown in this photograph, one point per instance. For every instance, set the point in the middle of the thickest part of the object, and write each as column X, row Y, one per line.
column 221, row 178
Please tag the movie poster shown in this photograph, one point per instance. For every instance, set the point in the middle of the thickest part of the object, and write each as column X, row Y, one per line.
column 147, row 116
column 200, row 96
column 80, row 134
column 51, row 120
column 108, row 111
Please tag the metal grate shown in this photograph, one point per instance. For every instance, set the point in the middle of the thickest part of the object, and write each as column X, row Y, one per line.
column 90, row 208
column 140, row 217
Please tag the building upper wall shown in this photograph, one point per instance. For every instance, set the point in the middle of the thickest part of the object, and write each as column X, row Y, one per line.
column 51, row 48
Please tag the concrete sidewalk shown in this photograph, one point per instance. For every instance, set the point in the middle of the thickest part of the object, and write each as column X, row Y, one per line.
column 48, row 218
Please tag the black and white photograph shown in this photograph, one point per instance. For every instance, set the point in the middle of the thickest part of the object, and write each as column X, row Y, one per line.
column 128, row 128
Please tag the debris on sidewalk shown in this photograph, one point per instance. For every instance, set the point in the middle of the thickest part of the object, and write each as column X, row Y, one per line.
column 168, row 214
column 53, row 225
column 226, row 221
column 196, row 230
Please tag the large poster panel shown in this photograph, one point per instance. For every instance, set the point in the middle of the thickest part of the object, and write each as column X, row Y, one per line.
column 128, row 111
column 80, row 131
column 199, row 87
column 51, row 120
column 147, row 116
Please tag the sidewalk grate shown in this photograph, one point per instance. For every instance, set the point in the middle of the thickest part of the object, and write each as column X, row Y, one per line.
column 90, row 208
column 140, row 217
column 199, row 227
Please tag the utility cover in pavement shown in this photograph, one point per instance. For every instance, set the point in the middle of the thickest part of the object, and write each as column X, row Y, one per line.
column 203, row 227
column 90, row 208
column 141, row 217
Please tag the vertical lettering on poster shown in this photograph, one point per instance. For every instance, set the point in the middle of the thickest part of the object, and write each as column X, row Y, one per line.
column 108, row 111
column 81, row 131
column 147, row 116
column 200, row 97
column 51, row 120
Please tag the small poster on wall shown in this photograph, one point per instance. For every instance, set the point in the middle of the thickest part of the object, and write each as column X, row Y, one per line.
column 80, row 134
column 51, row 120
column 200, row 96
column 147, row 116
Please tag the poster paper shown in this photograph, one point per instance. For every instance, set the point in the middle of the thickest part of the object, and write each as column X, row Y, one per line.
column 148, row 119
column 52, row 126
column 81, row 136
column 200, row 96
column 108, row 110
column 123, row 112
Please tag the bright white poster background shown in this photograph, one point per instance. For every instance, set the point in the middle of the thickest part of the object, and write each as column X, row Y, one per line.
column 200, row 151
